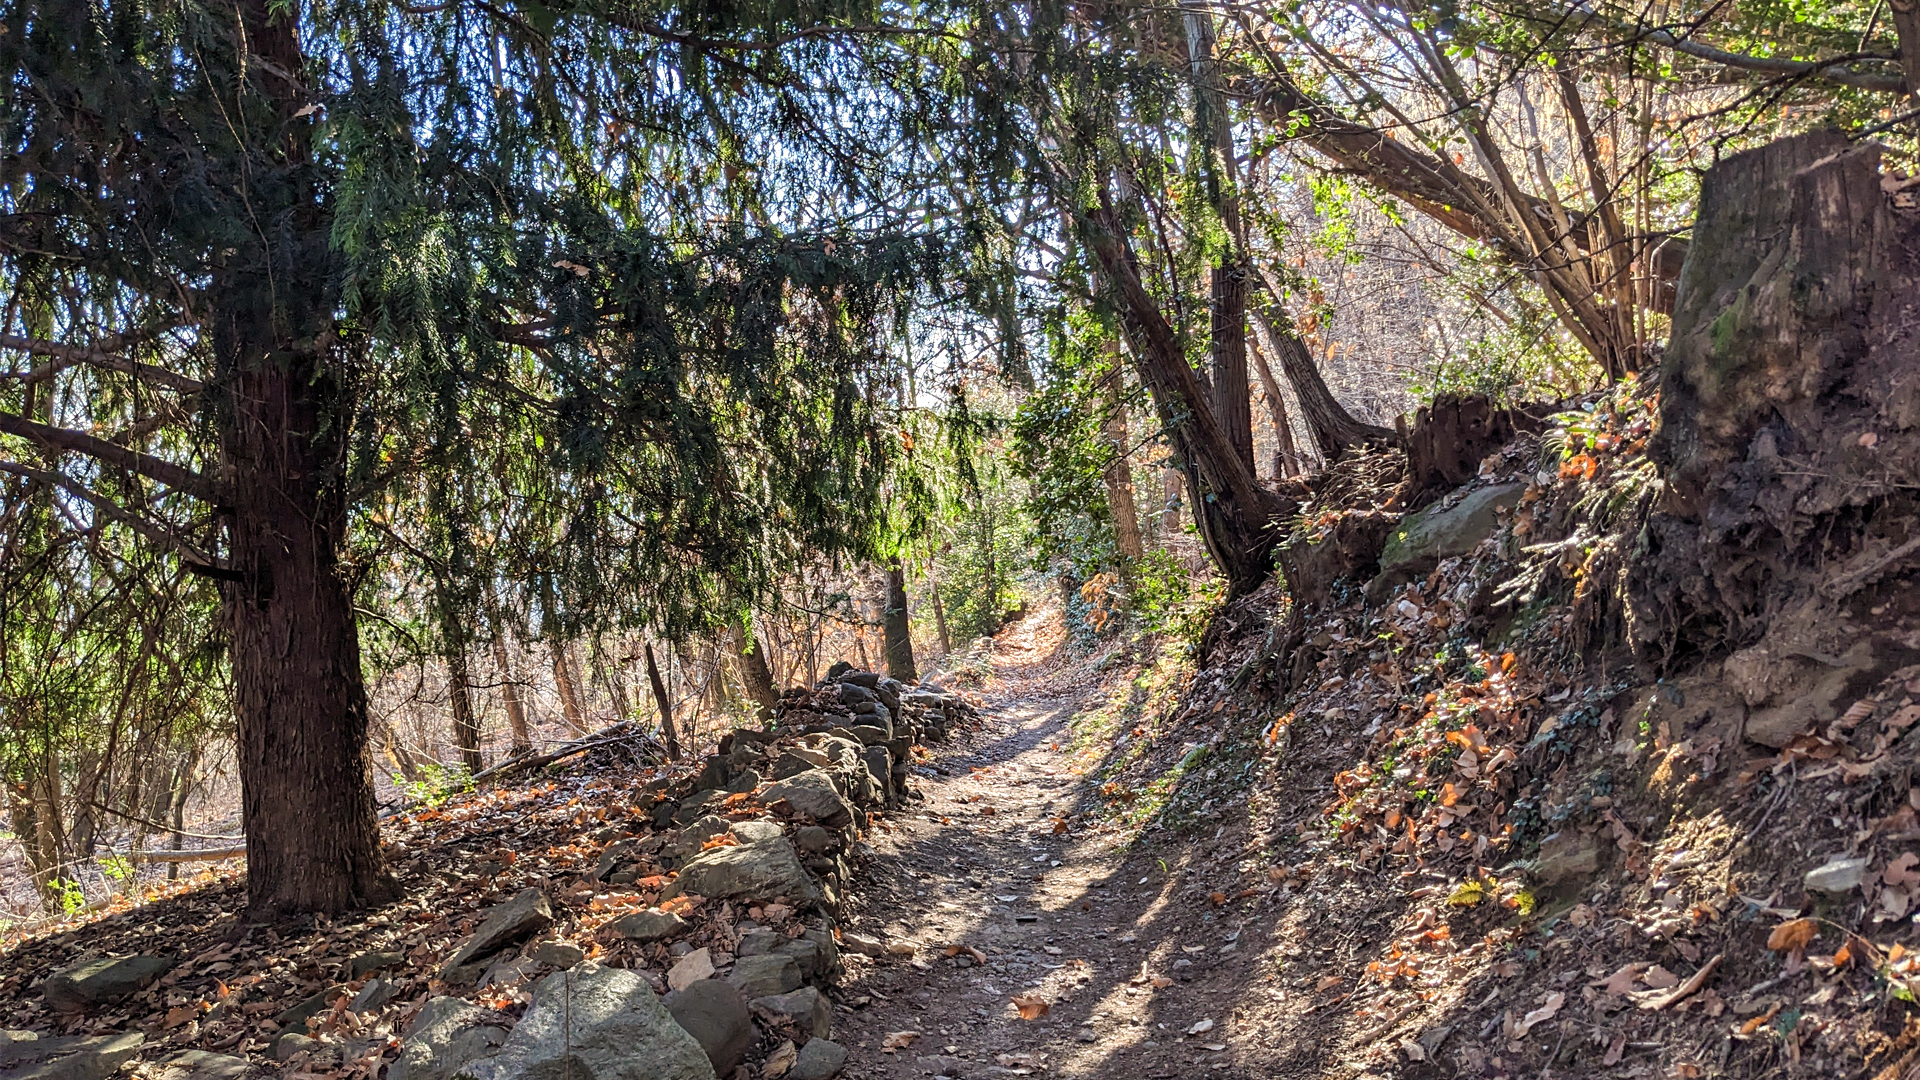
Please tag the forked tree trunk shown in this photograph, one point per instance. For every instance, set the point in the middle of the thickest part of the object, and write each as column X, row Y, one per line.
column 898, row 627
column 1287, row 459
column 1235, row 515
column 1334, row 429
column 665, row 704
column 510, row 696
column 313, row 840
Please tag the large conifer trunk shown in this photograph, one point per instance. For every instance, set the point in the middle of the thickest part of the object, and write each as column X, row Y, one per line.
column 313, row 840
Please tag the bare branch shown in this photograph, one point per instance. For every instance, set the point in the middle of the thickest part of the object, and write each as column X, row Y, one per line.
column 66, row 356
column 65, row 440
column 154, row 532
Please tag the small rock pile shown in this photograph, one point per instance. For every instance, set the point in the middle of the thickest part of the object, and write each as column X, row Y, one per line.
column 765, row 831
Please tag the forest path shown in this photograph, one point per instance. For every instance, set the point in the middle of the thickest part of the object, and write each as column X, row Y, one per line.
column 1072, row 920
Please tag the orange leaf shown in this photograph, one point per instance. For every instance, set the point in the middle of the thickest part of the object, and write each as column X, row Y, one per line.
column 1031, row 1006
column 1793, row 935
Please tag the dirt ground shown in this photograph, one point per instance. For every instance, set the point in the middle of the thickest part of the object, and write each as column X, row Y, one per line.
column 1139, row 976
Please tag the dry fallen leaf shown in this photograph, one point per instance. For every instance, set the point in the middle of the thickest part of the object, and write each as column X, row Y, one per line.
column 1032, row 1007
column 1540, row 1015
column 1622, row 981
column 1161, row 982
column 1659, row 978
column 897, row 1040
column 1793, row 935
column 1899, row 872
column 780, row 1060
column 1327, row 982
column 1200, row 1027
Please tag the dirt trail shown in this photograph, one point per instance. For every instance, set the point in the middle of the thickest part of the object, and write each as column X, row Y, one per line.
column 1068, row 919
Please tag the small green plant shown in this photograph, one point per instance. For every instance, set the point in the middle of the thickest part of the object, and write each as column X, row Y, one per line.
column 117, row 868
column 437, row 783
column 71, row 897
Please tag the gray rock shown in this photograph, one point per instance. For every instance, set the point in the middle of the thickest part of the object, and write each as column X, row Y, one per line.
column 650, row 925
column 595, row 1023
column 102, row 981
column 871, row 735
column 879, row 766
column 448, row 1036
column 760, row 872
column 69, row 1058
column 1440, row 532
column 757, row 832
column 815, row 840
column 1567, row 856
column 746, row 781
column 716, row 1016
column 820, row 1059
column 868, row 679
column 694, row 806
column 812, row 794
column 200, row 1065
column 856, row 695
column 765, row 975
column 687, row 843
column 611, row 858
column 367, row 963
column 805, row 1010
column 286, row 1046
column 557, row 954
column 792, row 764
column 294, row 1017
column 805, row 953
column 373, row 996
column 526, row 914
column 1838, row 876
column 759, row 942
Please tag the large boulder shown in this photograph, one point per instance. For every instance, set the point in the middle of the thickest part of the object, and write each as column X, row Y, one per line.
column 716, row 1016
column 102, row 981
column 1441, row 531
column 447, row 1037
column 506, row 924
column 765, row 975
column 595, row 1023
column 758, row 872
column 70, row 1058
column 813, row 794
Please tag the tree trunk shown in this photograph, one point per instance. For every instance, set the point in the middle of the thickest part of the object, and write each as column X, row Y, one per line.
column 306, row 776
column 665, row 704
column 1906, row 28
column 1234, row 513
column 510, row 695
column 466, row 729
column 609, row 674
column 313, row 837
column 1119, row 479
column 1334, row 429
column 563, row 680
column 1227, row 308
column 754, row 673
column 898, row 627
column 939, row 613
column 1287, row 461
column 182, row 787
